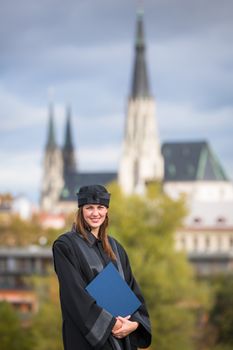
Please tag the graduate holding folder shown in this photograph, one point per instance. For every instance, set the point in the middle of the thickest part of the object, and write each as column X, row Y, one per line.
column 88, row 263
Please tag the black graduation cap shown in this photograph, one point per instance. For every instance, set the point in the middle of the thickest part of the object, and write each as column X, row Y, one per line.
column 93, row 194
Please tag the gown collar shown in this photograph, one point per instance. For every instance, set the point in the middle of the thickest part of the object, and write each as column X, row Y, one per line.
column 91, row 238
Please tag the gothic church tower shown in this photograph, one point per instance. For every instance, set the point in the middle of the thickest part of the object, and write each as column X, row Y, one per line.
column 52, row 182
column 68, row 152
column 141, row 159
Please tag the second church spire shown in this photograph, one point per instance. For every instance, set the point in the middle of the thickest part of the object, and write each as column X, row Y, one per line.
column 140, row 83
column 69, row 162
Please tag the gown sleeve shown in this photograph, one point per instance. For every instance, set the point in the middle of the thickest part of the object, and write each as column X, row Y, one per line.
column 94, row 323
column 141, row 337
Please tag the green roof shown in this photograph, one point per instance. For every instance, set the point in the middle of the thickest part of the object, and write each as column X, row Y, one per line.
column 191, row 161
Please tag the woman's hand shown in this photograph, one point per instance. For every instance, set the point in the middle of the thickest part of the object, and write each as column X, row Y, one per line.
column 126, row 328
column 117, row 325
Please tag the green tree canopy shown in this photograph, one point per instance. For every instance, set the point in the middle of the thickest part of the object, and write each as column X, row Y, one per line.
column 146, row 225
column 17, row 232
column 12, row 336
column 46, row 324
column 221, row 313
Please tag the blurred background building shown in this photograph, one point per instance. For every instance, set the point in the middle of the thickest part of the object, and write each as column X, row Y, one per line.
column 188, row 168
column 17, row 263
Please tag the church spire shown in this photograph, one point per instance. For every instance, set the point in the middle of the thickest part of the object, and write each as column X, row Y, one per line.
column 68, row 148
column 141, row 161
column 68, row 140
column 51, row 143
column 52, row 181
column 140, row 84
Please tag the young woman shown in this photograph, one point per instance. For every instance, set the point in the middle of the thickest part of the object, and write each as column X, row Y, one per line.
column 79, row 256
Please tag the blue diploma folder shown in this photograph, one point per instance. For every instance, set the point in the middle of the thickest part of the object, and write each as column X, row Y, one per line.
column 112, row 293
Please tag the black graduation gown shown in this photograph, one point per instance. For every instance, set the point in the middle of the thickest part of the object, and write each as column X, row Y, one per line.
column 86, row 326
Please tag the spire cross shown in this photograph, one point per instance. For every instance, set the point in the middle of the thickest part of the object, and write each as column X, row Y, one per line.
column 140, row 7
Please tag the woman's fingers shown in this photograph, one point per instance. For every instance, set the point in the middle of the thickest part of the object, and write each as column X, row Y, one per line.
column 122, row 319
column 125, row 329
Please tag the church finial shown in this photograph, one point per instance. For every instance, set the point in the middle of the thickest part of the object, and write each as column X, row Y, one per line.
column 140, row 84
column 140, row 32
column 51, row 143
column 140, row 11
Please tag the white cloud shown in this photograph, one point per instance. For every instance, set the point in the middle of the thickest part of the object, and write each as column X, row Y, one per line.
column 101, row 123
column 99, row 158
column 72, row 56
column 21, row 172
column 178, row 118
column 16, row 113
column 184, row 123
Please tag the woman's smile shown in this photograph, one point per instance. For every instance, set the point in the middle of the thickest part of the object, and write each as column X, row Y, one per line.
column 95, row 219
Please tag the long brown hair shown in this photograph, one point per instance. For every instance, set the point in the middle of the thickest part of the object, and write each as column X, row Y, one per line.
column 82, row 227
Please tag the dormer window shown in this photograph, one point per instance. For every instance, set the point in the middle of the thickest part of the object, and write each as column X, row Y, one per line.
column 221, row 220
column 171, row 170
column 197, row 220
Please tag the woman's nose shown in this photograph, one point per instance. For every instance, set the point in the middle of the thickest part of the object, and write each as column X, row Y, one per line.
column 95, row 212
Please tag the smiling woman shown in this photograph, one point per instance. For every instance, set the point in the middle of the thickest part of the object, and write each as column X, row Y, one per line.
column 79, row 256
column 94, row 215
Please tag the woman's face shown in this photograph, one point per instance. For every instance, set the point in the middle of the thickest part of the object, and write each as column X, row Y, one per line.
column 94, row 215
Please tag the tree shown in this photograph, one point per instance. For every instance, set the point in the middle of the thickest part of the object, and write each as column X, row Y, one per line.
column 46, row 324
column 221, row 313
column 18, row 232
column 12, row 335
column 146, row 226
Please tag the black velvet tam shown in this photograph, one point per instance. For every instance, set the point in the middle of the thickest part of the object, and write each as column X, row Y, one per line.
column 93, row 194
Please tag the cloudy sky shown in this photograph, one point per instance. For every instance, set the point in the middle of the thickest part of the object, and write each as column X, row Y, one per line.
column 81, row 52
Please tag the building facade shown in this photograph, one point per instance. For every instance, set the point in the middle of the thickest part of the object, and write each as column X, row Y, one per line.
column 16, row 263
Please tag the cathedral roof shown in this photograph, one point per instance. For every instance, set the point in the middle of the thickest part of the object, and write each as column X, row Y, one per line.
column 191, row 161
column 140, row 83
column 76, row 180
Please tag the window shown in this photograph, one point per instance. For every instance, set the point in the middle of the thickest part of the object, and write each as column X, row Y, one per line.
column 171, row 170
column 207, row 243
column 2, row 265
column 221, row 220
column 190, row 170
column 11, row 264
column 197, row 220
column 195, row 243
